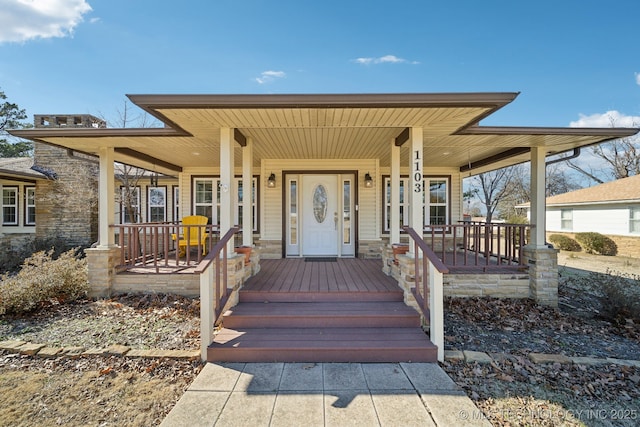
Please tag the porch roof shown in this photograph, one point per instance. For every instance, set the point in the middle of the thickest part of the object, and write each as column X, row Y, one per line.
column 324, row 126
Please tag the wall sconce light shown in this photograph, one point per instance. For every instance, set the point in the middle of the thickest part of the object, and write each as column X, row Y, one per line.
column 271, row 181
column 368, row 181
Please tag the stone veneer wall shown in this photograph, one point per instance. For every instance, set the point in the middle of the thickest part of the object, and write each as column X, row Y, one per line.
column 64, row 208
column 515, row 285
column 628, row 246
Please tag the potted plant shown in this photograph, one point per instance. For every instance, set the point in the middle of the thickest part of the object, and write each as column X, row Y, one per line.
column 246, row 250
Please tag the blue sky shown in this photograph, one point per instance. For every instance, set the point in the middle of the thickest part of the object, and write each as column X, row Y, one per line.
column 571, row 60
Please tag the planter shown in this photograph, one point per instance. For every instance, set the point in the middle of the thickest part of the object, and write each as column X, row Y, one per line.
column 246, row 250
column 399, row 249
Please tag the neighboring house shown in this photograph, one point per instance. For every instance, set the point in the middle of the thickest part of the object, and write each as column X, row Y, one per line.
column 333, row 177
column 612, row 209
column 18, row 188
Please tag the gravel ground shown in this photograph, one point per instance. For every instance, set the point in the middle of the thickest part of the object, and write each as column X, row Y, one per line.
column 167, row 322
column 512, row 391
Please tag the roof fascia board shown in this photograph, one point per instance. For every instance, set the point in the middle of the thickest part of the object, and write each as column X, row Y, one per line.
column 387, row 100
column 612, row 133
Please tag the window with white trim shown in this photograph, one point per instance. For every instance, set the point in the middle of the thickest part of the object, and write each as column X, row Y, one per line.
column 436, row 205
column 30, row 206
column 634, row 220
column 206, row 200
column 176, row 202
column 130, row 205
column 157, row 204
column 10, row 205
column 566, row 219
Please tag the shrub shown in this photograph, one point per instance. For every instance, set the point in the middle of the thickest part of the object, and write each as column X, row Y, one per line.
column 620, row 298
column 11, row 260
column 566, row 243
column 596, row 243
column 43, row 279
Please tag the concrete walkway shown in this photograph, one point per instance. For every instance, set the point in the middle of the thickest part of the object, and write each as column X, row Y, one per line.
column 324, row 394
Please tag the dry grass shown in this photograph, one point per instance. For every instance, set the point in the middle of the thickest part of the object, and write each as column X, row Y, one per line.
column 90, row 392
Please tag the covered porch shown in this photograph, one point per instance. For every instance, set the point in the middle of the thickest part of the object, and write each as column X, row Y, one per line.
column 323, row 175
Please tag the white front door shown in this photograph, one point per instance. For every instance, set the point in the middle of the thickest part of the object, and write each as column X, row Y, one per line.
column 320, row 220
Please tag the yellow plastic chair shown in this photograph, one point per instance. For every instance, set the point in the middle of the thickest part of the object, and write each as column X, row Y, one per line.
column 190, row 234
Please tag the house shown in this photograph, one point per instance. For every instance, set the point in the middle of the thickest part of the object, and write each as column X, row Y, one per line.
column 612, row 209
column 341, row 178
column 18, row 188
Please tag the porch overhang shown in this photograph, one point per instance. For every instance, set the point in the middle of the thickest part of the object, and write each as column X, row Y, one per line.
column 324, row 126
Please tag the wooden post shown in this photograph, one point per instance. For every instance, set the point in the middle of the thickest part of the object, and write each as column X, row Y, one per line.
column 106, row 202
column 247, row 193
column 538, row 202
column 394, row 214
column 415, row 192
column 227, row 190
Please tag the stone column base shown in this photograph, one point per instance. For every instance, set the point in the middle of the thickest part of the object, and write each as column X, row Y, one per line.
column 101, row 264
column 543, row 274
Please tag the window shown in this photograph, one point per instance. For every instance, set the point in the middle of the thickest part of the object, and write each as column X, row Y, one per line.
column 206, row 200
column 436, row 208
column 436, row 205
column 30, row 206
column 157, row 201
column 130, row 204
column 634, row 220
column 9, row 205
column 566, row 219
column 176, row 203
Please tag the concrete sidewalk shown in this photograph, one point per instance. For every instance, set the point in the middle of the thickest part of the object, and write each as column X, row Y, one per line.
column 324, row 394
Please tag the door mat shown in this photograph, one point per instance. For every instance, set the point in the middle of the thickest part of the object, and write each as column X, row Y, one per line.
column 321, row 259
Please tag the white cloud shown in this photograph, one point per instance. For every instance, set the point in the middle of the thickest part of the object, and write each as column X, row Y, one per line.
column 387, row 59
column 22, row 20
column 611, row 118
column 269, row 76
column 638, row 79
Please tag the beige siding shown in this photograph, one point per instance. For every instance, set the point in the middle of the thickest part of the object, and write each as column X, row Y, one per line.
column 370, row 199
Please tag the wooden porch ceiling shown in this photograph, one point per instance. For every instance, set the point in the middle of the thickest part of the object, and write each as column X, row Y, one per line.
column 323, row 127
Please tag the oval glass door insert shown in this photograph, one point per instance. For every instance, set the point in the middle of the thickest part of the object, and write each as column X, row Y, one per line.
column 320, row 203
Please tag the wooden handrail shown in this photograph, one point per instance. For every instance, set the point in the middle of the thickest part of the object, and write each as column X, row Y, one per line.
column 431, row 256
column 211, row 256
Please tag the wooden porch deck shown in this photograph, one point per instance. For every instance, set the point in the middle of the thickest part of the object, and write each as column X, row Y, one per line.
column 350, row 278
column 343, row 310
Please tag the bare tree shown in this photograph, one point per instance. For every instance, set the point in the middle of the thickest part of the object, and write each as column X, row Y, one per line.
column 494, row 187
column 129, row 176
column 621, row 158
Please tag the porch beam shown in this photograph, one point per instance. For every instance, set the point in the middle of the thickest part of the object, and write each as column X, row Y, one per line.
column 106, row 199
column 394, row 214
column 403, row 137
column 239, row 137
column 247, row 193
column 227, row 191
column 512, row 152
column 538, row 193
column 147, row 158
column 416, row 182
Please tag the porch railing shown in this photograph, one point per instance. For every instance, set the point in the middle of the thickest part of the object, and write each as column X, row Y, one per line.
column 428, row 279
column 473, row 245
column 155, row 245
column 213, row 288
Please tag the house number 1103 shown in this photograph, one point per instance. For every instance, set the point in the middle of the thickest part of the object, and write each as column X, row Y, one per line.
column 417, row 173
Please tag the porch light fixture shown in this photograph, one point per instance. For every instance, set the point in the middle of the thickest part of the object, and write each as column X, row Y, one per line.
column 154, row 179
column 368, row 181
column 271, row 181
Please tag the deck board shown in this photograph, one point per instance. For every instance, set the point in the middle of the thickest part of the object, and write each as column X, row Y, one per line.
column 344, row 275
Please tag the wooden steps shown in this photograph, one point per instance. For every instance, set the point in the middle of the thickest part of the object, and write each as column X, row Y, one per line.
column 321, row 327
